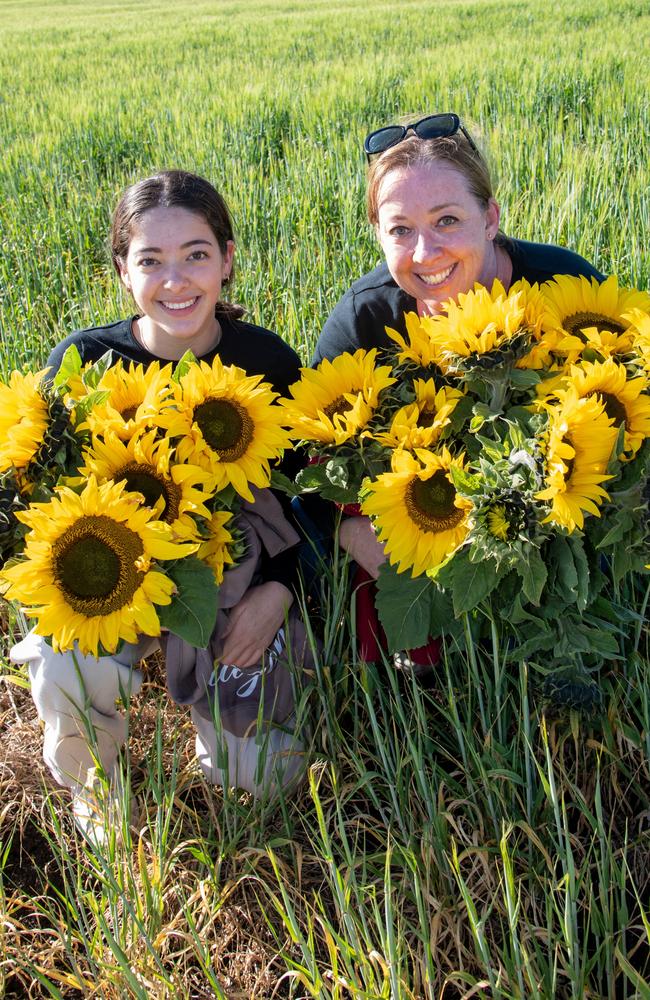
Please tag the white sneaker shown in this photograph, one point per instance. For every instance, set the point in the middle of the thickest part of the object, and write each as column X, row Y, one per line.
column 98, row 810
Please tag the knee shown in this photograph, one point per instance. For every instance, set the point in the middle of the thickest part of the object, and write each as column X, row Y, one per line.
column 263, row 764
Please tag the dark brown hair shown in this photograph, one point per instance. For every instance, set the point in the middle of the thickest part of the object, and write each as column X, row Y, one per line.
column 172, row 189
column 453, row 150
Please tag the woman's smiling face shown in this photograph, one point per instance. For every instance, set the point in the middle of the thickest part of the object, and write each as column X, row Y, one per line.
column 174, row 270
column 436, row 234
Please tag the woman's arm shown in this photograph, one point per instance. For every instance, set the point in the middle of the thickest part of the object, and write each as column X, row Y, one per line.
column 357, row 537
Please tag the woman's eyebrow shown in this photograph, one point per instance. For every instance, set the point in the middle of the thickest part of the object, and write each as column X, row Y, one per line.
column 184, row 246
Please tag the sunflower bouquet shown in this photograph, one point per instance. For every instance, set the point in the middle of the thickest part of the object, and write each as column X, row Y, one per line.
column 501, row 451
column 119, row 493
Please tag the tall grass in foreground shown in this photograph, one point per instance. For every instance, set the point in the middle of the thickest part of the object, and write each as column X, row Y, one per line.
column 449, row 841
column 452, row 841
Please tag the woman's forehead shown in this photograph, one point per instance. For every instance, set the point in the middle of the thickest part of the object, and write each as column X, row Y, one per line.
column 433, row 184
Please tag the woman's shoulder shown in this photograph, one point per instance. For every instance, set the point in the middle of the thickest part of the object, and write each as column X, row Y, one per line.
column 541, row 261
column 259, row 352
column 94, row 341
column 359, row 319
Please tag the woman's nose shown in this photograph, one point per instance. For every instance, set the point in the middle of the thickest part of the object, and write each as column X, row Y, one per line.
column 175, row 278
column 426, row 246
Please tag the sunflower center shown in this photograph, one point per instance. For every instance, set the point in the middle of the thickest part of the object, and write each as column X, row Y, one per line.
column 226, row 426
column 581, row 320
column 94, row 565
column 153, row 485
column 430, row 503
column 426, row 418
column 613, row 407
column 340, row 405
column 129, row 413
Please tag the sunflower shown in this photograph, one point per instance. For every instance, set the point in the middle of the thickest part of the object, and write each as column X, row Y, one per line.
column 419, row 516
column 575, row 304
column 420, row 349
column 484, row 329
column 87, row 568
column 333, row 402
column 640, row 331
column 228, row 425
column 420, row 424
column 544, row 343
column 499, row 523
column 626, row 401
column 24, row 420
column 131, row 399
column 176, row 491
column 216, row 549
column 579, row 443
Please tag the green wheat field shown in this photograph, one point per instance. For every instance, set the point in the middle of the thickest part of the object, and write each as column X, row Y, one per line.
column 450, row 841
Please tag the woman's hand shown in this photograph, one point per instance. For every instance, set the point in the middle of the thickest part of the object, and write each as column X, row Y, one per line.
column 357, row 536
column 254, row 622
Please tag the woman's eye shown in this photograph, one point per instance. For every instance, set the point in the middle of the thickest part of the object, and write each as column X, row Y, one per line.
column 447, row 220
column 199, row 255
column 399, row 231
column 147, row 262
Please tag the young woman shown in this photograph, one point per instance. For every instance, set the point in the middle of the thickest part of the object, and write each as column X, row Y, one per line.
column 173, row 248
column 430, row 200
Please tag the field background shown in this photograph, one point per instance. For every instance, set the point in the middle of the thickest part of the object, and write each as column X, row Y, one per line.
column 451, row 842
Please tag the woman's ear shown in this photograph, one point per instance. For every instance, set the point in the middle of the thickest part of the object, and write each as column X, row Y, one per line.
column 492, row 216
column 124, row 275
column 228, row 258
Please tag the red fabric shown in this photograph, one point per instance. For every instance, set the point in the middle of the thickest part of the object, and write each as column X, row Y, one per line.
column 371, row 638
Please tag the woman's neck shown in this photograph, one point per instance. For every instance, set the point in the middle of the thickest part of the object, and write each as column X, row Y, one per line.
column 170, row 348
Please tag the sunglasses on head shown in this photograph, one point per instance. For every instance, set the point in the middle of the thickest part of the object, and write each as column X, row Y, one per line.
column 431, row 127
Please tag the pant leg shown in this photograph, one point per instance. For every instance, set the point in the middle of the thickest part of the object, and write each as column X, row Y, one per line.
column 261, row 763
column 75, row 697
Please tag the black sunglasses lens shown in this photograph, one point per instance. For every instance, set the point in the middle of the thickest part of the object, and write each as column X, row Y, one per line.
column 383, row 139
column 437, row 126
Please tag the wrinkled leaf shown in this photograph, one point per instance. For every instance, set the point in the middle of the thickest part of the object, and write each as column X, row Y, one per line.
column 193, row 611
column 472, row 582
column 533, row 575
column 405, row 608
column 281, row 482
column 524, row 378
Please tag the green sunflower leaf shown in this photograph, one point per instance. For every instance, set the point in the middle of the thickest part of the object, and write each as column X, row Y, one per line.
column 312, row 477
column 193, row 610
column 70, row 366
column 405, row 607
column 281, row 482
column 315, row 478
column 523, row 378
column 533, row 575
column 184, row 364
column 91, row 377
column 582, row 571
column 85, row 405
column 472, row 582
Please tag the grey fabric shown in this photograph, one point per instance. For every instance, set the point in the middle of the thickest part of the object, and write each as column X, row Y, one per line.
column 265, row 691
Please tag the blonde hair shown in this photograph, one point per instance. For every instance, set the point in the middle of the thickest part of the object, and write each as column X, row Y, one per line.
column 412, row 151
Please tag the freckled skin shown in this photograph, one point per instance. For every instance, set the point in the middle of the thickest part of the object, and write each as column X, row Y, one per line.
column 436, row 235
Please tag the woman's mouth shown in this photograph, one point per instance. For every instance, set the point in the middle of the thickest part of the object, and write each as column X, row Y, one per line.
column 177, row 307
column 438, row 278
